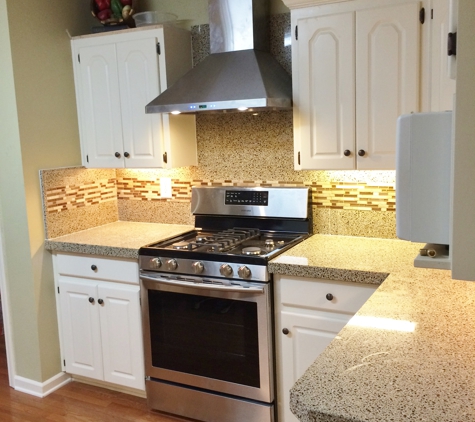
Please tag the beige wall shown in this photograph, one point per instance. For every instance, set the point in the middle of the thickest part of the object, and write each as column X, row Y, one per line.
column 39, row 130
column 13, row 218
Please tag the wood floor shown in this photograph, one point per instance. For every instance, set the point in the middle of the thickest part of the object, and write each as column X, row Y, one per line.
column 75, row 402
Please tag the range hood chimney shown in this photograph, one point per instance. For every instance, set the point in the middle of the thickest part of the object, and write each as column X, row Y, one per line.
column 239, row 74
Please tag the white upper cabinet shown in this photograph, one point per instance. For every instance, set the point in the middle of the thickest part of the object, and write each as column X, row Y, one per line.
column 442, row 85
column 356, row 68
column 388, row 50
column 116, row 76
column 325, row 96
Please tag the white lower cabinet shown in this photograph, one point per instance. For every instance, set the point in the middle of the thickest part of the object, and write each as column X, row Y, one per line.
column 309, row 315
column 100, row 320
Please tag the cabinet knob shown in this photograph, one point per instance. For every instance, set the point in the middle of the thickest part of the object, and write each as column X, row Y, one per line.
column 361, row 152
column 91, row 300
column 126, row 155
column 117, row 154
column 329, row 296
column 100, row 301
column 94, row 267
column 347, row 153
column 285, row 331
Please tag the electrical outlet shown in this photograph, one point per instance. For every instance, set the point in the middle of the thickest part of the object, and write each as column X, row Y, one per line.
column 165, row 187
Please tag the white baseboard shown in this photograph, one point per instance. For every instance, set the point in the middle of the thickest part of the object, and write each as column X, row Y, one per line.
column 40, row 389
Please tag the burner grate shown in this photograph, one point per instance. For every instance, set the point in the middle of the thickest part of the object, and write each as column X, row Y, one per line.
column 220, row 242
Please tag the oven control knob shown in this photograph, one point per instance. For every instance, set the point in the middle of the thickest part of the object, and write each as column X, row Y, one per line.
column 172, row 264
column 226, row 270
column 244, row 272
column 198, row 267
column 155, row 263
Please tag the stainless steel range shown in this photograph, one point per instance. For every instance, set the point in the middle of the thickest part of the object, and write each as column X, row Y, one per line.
column 207, row 304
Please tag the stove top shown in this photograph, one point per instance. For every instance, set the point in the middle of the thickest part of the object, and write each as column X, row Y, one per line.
column 235, row 241
column 242, row 229
column 233, row 253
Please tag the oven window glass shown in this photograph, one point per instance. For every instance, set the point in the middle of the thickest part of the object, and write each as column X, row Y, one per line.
column 211, row 337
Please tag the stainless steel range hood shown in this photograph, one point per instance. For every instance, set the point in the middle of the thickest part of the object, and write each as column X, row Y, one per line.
column 239, row 74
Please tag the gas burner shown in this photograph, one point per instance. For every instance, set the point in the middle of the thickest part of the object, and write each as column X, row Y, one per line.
column 269, row 244
column 203, row 239
column 251, row 250
column 182, row 245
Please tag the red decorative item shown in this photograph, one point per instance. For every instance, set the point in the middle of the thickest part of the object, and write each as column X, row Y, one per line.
column 120, row 14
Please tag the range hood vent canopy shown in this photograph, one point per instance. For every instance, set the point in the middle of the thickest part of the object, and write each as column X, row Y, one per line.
column 239, row 74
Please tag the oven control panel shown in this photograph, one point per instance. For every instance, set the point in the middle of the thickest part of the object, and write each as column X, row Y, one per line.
column 239, row 197
column 273, row 202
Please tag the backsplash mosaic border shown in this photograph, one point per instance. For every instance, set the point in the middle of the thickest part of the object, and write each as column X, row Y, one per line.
column 332, row 195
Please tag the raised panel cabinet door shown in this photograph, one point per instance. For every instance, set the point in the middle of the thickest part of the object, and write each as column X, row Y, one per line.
column 81, row 334
column 121, row 330
column 139, row 84
column 326, row 91
column 442, row 85
column 387, row 79
column 100, row 106
column 308, row 335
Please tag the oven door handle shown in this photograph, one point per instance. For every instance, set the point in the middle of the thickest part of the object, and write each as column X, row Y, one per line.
column 205, row 285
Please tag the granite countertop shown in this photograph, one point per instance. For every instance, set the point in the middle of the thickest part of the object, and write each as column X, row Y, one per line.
column 426, row 373
column 121, row 239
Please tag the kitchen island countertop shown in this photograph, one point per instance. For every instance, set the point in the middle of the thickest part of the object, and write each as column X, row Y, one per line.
column 423, row 369
column 121, row 239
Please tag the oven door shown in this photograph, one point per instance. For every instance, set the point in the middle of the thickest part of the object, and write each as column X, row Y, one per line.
column 216, row 337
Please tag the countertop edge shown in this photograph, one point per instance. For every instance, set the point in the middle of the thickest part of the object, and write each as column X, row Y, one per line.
column 86, row 249
column 327, row 273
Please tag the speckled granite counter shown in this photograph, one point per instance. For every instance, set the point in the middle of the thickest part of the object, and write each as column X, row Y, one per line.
column 120, row 239
column 376, row 374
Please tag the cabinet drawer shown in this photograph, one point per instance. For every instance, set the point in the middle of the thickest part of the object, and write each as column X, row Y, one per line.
column 311, row 293
column 100, row 268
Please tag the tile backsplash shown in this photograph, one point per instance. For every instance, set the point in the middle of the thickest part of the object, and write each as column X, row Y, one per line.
column 234, row 149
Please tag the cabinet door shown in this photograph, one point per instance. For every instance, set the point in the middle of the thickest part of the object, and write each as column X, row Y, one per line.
column 387, row 79
column 81, row 335
column 442, row 86
column 121, row 334
column 99, row 106
column 325, row 95
column 309, row 334
column 139, row 84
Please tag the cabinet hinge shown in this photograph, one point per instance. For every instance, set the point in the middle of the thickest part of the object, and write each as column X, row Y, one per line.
column 296, row 32
column 158, row 49
column 298, row 158
column 452, row 44
column 422, row 15
column 165, row 157
column 79, row 58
